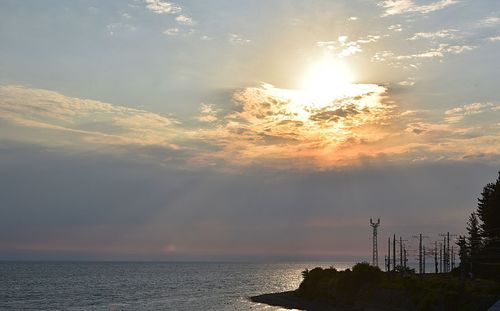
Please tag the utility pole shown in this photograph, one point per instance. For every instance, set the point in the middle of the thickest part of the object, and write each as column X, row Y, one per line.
column 420, row 253
column 401, row 252
column 375, row 246
column 389, row 255
column 405, row 261
column 452, row 257
column 423, row 264
column 446, row 251
column 436, row 256
column 394, row 252
column 440, row 258
column 420, row 266
column 444, row 255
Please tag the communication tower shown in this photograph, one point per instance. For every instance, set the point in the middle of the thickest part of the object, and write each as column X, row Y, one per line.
column 375, row 246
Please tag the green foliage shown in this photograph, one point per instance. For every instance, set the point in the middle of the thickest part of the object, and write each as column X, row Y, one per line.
column 341, row 286
column 366, row 273
column 305, row 273
column 367, row 284
column 488, row 210
column 404, row 270
column 479, row 253
column 474, row 238
column 463, row 251
column 480, row 250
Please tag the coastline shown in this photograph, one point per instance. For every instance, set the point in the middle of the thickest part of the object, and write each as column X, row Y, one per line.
column 367, row 288
column 290, row 300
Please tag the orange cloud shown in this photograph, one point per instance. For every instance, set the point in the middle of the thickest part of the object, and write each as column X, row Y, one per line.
column 277, row 125
column 269, row 126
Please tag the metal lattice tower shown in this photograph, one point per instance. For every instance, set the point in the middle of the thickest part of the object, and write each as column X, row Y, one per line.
column 375, row 246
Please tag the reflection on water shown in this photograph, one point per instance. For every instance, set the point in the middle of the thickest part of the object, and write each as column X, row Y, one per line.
column 145, row 286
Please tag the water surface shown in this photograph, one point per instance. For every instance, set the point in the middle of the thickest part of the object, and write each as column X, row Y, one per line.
column 145, row 286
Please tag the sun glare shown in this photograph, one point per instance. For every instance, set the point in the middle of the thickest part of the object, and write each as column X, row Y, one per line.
column 326, row 80
column 326, row 88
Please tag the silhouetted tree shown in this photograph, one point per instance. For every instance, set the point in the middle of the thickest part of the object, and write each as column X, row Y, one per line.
column 474, row 238
column 463, row 253
column 480, row 250
column 488, row 211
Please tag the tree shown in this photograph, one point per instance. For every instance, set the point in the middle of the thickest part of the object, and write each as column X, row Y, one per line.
column 463, row 253
column 488, row 211
column 474, row 240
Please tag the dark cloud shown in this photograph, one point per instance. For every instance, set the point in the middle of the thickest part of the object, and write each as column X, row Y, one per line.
column 61, row 204
column 328, row 114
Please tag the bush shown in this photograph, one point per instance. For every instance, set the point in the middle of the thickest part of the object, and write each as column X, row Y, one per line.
column 369, row 285
column 341, row 286
column 364, row 272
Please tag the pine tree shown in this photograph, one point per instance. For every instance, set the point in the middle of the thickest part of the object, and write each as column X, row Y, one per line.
column 474, row 240
column 463, row 253
column 488, row 211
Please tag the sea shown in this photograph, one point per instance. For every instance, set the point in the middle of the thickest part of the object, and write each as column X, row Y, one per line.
column 146, row 285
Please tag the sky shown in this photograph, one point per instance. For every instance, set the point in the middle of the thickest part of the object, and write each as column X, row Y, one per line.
column 242, row 130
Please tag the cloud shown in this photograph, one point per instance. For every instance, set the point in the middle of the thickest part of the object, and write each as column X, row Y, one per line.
column 162, row 7
column 395, row 27
column 457, row 114
column 407, row 82
column 394, row 7
column 490, row 21
column 421, row 127
column 494, row 39
column 172, row 31
column 279, row 126
column 439, row 52
column 445, row 33
column 88, row 206
column 166, row 7
column 446, row 138
column 113, row 28
column 73, row 121
column 342, row 47
column 175, row 31
column 208, row 113
column 237, row 39
column 267, row 127
column 413, row 60
column 184, row 20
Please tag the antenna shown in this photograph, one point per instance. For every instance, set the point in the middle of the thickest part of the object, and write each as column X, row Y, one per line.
column 375, row 246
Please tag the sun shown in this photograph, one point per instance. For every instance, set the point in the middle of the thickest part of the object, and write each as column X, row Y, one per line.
column 324, row 86
column 326, row 80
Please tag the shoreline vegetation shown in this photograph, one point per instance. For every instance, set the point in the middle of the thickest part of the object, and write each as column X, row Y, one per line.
column 473, row 285
column 368, row 288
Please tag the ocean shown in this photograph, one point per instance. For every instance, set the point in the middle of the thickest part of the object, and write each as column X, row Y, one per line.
column 145, row 285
